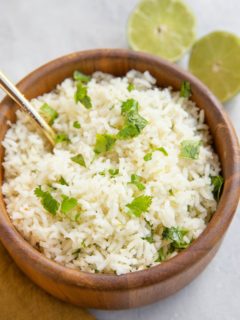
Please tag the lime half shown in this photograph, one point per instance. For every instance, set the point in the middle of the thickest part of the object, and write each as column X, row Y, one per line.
column 162, row 27
column 215, row 59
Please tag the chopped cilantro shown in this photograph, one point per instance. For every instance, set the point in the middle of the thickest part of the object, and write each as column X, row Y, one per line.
column 161, row 149
column 77, row 216
column 51, row 187
column 149, row 238
column 102, row 173
column 190, row 149
column 161, row 255
column 175, row 235
column 185, row 90
column 48, row 202
column 76, row 252
column 136, row 180
column 81, row 95
column 104, row 142
column 48, row 113
column 113, row 172
column 79, row 76
column 134, row 122
column 217, row 182
column 128, row 131
column 139, row 205
column 133, row 127
column 148, row 156
column 62, row 137
column 63, row 181
column 130, row 87
column 129, row 106
column 79, row 160
column 68, row 204
column 76, row 125
column 171, row 192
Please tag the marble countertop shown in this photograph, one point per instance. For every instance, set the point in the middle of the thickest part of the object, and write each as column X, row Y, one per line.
column 33, row 32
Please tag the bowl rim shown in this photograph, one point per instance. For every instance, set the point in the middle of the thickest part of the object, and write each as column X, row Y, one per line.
column 17, row 245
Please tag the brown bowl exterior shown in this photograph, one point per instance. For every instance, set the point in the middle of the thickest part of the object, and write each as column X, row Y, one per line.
column 142, row 287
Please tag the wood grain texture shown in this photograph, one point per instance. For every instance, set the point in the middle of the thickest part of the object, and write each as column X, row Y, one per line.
column 142, row 287
column 22, row 300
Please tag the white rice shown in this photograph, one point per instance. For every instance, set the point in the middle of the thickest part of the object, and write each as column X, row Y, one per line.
column 107, row 239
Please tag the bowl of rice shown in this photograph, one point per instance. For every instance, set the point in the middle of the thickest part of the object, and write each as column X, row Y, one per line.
column 134, row 199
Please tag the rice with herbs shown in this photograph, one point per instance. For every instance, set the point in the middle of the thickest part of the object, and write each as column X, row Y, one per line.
column 128, row 184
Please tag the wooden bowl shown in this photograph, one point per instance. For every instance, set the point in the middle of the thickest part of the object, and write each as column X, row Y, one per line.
column 142, row 287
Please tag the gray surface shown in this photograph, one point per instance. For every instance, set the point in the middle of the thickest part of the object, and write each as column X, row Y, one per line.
column 35, row 31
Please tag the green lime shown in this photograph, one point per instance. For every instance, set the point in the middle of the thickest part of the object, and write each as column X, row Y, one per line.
column 162, row 27
column 215, row 60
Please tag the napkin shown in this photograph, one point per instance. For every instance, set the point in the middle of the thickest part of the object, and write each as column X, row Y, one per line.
column 20, row 299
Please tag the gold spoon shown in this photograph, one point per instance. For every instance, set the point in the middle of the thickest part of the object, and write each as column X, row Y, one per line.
column 25, row 105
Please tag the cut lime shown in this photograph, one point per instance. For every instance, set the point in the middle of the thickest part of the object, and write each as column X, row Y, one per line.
column 215, row 59
column 162, row 27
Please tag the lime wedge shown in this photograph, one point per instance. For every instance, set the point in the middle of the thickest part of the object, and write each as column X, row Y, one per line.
column 162, row 27
column 215, row 59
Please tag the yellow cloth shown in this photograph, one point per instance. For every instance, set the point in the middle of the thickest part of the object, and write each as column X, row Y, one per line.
column 20, row 299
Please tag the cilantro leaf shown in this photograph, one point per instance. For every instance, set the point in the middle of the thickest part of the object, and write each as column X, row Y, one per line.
column 185, row 90
column 62, row 137
column 39, row 192
column 137, row 120
column 175, row 235
column 48, row 113
column 128, row 131
column 149, row 238
column 139, row 205
column 76, row 252
column 136, row 180
column 63, row 181
column 148, row 156
column 79, row 160
column 104, row 142
column 68, row 204
column 217, row 182
column 48, row 202
column 86, row 101
column 81, row 95
column 113, row 172
column 134, row 122
column 129, row 106
column 77, row 217
column 133, row 127
column 76, row 125
column 163, row 150
column 79, row 76
column 190, row 149
column 131, row 87
column 161, row 255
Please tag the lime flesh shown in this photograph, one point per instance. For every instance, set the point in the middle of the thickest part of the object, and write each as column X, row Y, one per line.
column 215, row 60
column 162, row 27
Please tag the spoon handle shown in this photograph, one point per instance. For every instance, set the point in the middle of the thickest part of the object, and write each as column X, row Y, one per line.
column 25, row 105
